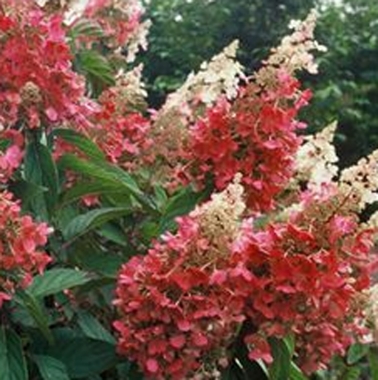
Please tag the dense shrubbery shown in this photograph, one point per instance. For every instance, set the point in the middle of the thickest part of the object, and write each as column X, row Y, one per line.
column 202, row 240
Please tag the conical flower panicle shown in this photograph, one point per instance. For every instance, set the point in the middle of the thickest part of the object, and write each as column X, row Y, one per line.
column 176, row 318
column 303, row 277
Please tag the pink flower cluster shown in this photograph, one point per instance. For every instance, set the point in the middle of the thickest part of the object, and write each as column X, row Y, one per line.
column 38, row 84
column 11, row 154
column 40, row 88
column 182, row 305
column 122, row 133
column 255, row 136
column 20, row 242
column 174, row 312
column 303, row 280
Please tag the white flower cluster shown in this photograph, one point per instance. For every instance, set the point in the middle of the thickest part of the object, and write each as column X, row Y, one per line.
column 129, row 91
column 221, row 216
column 315, row 159
column 362, row 179
column 131, row 82
column 75, row 10
column 294, row 52
column 77, row 7
column 219, row 76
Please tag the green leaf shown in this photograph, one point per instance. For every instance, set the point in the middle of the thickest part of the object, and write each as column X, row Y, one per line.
column 83, row 143
column 124, row 371
column 84, row 357
column 93, row 188
column 373, row 362
column 96, row 65
column 35, row 310
column 352, row 373
column 161, row 197
column 56, row 280
column 290, row 343
column 108, row 173
column 234, row 372
column 40, row 170
column 296, row 373
column 92, row 219
column 12, row 360
column 356, row 352
column 26, row 191
column 92, row 328
column 86, row 27
column 5, row 143
column 181, row 203
column 243, row 368
column 280, row 368
column 51, row 368
column 114, row 233
column 96, row 261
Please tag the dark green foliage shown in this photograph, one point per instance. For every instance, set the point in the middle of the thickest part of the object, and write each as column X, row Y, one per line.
column 12, row 360
column 346, row 87
column 186, row 33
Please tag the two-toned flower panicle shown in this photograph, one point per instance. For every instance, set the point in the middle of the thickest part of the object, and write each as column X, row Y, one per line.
column 176, row 316
column 304, row 278
column 252, row 131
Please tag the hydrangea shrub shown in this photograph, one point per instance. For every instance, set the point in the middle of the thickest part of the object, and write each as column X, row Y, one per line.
column 208, row 239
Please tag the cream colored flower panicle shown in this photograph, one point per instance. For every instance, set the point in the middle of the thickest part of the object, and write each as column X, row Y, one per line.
column 294, row 52
column 75, row 10
column 315, row 159
column 130, row 89
column 220, row 217
column 219, row 76
column 362, row 179
column 132, row 80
